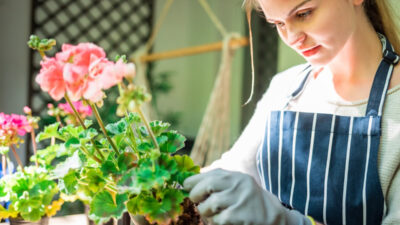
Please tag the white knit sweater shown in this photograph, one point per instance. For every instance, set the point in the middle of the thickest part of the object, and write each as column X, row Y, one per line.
column 320, row 96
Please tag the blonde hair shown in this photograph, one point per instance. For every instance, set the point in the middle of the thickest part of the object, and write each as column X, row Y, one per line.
column 382, row 17
column 380, row 14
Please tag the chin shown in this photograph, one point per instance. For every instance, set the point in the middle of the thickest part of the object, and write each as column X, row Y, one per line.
column 319, row 60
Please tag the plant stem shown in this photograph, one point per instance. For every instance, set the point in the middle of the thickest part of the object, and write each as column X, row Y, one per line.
column 59, row 120
column 4, row 164
column 82, row 124
column 121, row 85
column 75, row 112
column 113, row 189
column 88, row 153
column 146, row 123
column 34, row 147
column 17, row 157
column 101, row 124
column 82, row 183
column 41, row 53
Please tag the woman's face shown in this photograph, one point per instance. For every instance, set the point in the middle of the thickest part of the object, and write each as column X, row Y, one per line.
column 316, row 29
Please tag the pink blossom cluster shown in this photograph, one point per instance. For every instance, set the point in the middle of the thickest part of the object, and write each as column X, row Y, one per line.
column 83, row 110
column 81, row 71
column 11, row 126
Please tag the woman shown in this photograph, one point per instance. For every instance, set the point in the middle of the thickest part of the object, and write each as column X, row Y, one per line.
column 324, row 142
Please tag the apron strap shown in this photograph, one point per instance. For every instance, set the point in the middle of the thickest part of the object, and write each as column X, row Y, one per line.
column 381, row 81
column 307, row 70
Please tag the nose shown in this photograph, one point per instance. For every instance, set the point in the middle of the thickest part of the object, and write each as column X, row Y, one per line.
column 295, row 37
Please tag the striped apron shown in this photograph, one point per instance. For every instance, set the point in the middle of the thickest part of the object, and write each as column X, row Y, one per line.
column 324, row 165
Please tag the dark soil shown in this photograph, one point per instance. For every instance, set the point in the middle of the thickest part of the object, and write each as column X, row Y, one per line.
column 190, row 215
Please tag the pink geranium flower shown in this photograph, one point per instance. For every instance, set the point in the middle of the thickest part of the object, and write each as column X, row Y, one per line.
column 11, row 126
column 76, row 71
column 81, row 71
column 83, row 110
column 114, row 74
column 80, row 54
column 50, row 78
column 94, row 86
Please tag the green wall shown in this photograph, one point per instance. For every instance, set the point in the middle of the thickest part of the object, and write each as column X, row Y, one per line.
column 193, row 76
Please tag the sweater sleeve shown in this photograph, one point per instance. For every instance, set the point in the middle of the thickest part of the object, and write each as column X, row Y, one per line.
column 393, row 199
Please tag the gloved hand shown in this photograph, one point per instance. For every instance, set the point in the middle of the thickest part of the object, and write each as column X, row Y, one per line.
column 236, row 199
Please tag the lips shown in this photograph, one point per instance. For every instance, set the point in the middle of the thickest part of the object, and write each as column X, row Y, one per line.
column 311, row 51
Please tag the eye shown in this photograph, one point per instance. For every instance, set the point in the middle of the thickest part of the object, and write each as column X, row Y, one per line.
column 303, row 14
column 277, row 25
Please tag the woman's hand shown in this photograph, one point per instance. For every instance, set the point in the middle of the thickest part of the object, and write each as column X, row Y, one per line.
column 235, row 198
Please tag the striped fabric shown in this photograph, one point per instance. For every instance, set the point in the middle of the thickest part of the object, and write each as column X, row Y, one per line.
column 325, row 165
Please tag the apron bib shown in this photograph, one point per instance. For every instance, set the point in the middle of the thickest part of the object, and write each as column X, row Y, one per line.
column 325, row 165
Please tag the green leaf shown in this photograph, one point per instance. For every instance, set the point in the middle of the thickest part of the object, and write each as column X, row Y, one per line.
column 126, row 184
column 34, row 214
column 117, row 128
column 4, row 150
column 88, row 123
column 71, row 163
column 186, row 168
column 161, row 139
column 70, row 131
column 72, row 142
column 86, row 135
column 168, row 163
column 109, row 167
column 160, row 209
column 145, row 147
column 94, row 178
column 47, row 155
column 103, row 207
column 3, row 192
column 175, row 142
column 126, row 161
column 158, row 127
column 69, row 183
column 133, row 118
column 150, row 175
column 49, row 132
column 143, row 131
column 45, row 190
column 120, row 141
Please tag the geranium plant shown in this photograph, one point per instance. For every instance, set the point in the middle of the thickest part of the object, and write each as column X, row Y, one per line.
column 128, row 165
column 30, row 191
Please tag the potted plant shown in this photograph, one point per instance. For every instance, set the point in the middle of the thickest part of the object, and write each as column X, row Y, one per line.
column 126, row 166
column 30, row 191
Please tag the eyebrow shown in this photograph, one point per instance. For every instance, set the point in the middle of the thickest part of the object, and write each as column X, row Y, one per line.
column 291, row 11
column 298, row 6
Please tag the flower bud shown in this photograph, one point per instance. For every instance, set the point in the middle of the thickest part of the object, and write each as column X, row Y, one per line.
column 27, row 110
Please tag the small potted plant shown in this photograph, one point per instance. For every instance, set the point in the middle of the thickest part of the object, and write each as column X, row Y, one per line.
column 30, row 191
column 127, row 166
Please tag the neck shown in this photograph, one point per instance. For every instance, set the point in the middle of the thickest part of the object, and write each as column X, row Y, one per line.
column 360, row 57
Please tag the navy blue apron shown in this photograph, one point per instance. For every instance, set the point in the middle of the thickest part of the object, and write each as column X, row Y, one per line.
column 325, row 165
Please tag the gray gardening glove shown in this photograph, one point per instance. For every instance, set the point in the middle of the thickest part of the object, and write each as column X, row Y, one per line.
column 236, row 199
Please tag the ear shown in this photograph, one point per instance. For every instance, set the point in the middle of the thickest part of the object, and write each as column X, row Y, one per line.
column 358, row 2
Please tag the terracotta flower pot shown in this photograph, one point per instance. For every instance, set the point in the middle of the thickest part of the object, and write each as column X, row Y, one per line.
column 20, row 221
